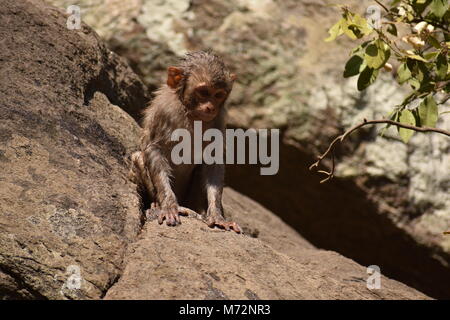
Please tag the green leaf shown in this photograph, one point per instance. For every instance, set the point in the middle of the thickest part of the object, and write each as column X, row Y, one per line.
column 362, row 24
column 354, row 66
column 428, row 112
column 441, row 66
column 355, row 26
column 439, row 7
column 421, row 72
column 414, row 83
column 434, row 42
column 360, row 49
column 393, row 115
column 447, row 87
column 416, row 57
column 392, row 29
column 406, row 117
column 377, row 54
column 430, row 55
column 345, row 27
column 420, row 5
column 403, row 73
column 335, row 30
column 366, row 78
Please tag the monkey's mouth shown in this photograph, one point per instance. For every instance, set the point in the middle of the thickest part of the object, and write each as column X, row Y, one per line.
column 202, row 116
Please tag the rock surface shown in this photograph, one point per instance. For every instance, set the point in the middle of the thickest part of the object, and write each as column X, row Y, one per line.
column 388, row 195
column 70, row 222
column 193, row 261
column 65, row 202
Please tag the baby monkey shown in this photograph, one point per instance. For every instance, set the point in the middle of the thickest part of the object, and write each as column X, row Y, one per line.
column 196, row 90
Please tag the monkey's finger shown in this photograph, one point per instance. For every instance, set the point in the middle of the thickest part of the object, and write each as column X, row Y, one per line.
column 236, row 228
column 210, row 223
column 170, row 220
column 222, row 224
column 153, row 206
column 161, row 217
column 174, row 216
column 177, row 218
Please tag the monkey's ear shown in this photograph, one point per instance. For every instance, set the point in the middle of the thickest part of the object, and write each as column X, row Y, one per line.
column 233, row 76
column 174, row 76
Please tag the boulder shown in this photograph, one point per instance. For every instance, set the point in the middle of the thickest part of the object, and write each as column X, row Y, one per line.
column 71, row 223
column 269, row 261
column 66, row 206
column 386, row 194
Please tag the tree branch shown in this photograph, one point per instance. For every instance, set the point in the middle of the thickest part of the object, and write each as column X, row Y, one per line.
column 382, row 5
column 341, row 138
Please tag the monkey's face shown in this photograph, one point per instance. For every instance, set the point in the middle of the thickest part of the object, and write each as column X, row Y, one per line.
column 202, row 91
column 207, row 100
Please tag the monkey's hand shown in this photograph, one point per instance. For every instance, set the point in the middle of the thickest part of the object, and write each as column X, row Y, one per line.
column 170, row 214
column 215, row 219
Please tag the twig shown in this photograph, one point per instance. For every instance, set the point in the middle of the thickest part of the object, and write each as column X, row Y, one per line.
column 382, row 5
column 445, row 99
column 446, row 232
column 341, row 138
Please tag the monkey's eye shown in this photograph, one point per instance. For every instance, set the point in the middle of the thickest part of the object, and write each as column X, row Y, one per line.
column 202, row 92
column 219, row 95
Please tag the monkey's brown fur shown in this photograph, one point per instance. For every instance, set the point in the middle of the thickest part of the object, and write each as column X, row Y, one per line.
column 196, row 89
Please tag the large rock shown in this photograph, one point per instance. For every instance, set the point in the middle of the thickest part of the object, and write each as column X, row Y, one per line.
column 65, row 202
column 70, row 221
column 388, row 195
column 193, row 261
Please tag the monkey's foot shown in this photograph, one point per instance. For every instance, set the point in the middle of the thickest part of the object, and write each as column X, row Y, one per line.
column 221, row 223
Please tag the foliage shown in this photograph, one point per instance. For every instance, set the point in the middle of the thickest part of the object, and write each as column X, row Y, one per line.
column 420, row 55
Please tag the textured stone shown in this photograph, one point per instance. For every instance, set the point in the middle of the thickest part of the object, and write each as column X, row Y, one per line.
column 64, row 196
column 70, row 221
column 289, row 78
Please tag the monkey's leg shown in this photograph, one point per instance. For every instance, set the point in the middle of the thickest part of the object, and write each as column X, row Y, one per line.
column 158, row 173
column 195, row 197
column 135, row 172
column 141, row 177
column 213, row 176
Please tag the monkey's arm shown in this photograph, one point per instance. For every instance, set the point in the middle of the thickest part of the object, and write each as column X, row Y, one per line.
column 213, row 176
column 159, row 171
